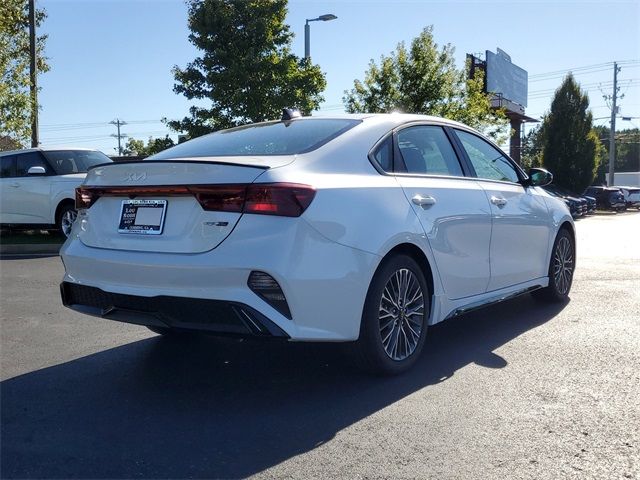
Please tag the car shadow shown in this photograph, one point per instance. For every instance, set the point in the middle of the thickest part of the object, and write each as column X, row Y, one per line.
column 207, row 407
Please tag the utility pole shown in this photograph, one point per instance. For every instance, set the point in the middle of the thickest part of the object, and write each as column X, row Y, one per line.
column 612, row 133
column 118, row 123
column 33, row 74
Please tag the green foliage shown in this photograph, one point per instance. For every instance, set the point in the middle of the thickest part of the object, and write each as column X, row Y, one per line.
column 571, row 148
column 424, row 79
column 153, row 146
column 531, row 155
column 627, row 149
column 15, row 100
column 246, row 69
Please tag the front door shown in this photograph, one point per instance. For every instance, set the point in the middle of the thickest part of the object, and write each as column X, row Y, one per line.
column 521, row 228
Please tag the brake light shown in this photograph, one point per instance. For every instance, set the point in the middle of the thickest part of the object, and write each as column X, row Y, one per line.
column 282, row 199
column 84, row 198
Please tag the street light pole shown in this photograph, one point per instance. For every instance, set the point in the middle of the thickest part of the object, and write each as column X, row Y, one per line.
column 307, row 31
column 307, row 40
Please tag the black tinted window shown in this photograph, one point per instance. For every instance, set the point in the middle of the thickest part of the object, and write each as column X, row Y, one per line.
column 269, row 138
column 383, row 155
column 24, row 161
column 487, row 161
column 7, row 166
column 66, row 162
column 427, row 150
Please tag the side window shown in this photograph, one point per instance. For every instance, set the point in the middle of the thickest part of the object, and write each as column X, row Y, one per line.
column 25, row 161
column 488, row 161
column 383, row 154
column 426, row 150
column 64, row 161
column 7, row 166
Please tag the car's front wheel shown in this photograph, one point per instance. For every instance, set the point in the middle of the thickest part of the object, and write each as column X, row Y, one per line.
column 394, row 319
column 561, row 269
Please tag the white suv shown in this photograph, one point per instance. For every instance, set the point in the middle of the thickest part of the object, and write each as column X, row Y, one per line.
column 37, row 186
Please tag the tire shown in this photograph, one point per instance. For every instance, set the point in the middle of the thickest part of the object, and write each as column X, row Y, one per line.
column 561, row 269
column 391, row 339
column 66, row 216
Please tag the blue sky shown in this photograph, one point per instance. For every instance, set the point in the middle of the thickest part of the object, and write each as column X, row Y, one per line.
column 113, row 58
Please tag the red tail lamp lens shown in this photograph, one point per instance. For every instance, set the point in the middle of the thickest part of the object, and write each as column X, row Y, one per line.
column 283, row 199
column 220, row 198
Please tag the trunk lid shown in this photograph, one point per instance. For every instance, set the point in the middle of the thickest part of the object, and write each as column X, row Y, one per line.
column 183, row 225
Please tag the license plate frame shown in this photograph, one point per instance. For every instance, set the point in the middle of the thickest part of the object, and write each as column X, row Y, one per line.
column 153, row 216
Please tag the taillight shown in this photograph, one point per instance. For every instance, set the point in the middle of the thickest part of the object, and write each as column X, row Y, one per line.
column 220, row 198
column 283, row 199
column 85, row 197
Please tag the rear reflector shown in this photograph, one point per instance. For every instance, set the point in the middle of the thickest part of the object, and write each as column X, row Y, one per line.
column 266, row 287
column 282, row 199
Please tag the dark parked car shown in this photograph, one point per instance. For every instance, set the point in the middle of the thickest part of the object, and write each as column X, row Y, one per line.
column 587, row 203
column 631, row 196
column 607, row 198
column 577, row 207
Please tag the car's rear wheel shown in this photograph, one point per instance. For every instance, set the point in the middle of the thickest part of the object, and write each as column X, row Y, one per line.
column 394, row 319
column 66, row 216
column 561, row 269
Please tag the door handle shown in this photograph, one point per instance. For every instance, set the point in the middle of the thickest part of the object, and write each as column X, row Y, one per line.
column 425, row 201
column 498, row 201
column 15, row 185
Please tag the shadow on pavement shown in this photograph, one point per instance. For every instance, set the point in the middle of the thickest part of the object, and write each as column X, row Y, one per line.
column 213, row 408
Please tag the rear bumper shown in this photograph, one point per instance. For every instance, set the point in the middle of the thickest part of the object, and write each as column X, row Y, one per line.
column 324, row 283
column 212, row 316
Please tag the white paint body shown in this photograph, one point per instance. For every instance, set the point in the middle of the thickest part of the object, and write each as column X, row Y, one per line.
column 325, row 259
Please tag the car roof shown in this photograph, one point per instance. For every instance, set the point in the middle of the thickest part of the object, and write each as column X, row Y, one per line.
column 47, row 149
column 397, row 118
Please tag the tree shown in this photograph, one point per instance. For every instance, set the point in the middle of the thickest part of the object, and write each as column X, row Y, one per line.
column 246, row 69
column 532, row 145
column 153, row 146
column 15, row 100
column 424, row 79
column 571, row 148
column 627, row 149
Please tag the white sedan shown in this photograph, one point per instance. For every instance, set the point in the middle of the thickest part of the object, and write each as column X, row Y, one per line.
column 354, row 228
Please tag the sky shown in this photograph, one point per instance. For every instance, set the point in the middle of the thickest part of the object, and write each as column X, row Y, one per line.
column 112, row 59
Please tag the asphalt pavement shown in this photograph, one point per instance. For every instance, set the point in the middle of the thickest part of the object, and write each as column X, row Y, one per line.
column 520, row 390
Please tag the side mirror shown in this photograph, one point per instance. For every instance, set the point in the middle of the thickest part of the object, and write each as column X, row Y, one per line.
column 539, row 177
column 36, row 171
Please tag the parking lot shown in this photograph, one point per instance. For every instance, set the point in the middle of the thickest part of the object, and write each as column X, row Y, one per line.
column 518, row 390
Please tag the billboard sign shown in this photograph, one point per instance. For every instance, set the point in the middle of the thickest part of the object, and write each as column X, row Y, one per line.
column 505, row 78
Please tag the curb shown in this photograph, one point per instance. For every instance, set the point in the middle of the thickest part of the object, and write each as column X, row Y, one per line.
column 30, row 248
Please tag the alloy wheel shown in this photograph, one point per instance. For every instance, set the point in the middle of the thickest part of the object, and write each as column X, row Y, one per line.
column 401, row 314
column 66, row 221
column 563, row 265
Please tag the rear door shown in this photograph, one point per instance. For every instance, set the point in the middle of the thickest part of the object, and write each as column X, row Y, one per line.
column 521, row 223
column 453, row 210
column 8, row 185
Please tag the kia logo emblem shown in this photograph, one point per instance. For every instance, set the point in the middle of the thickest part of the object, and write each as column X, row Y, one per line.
column 135, row 176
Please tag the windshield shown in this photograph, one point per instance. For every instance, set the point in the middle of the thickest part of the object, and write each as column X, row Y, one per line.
column 66, row 162
column 269, row 138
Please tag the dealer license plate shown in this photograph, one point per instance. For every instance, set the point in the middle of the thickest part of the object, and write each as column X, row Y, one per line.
column 142, row 216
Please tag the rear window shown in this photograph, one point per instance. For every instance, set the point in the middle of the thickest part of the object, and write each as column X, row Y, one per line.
column 269, row 138
column 66, row 162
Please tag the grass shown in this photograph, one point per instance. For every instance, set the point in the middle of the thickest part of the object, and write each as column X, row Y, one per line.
column 29, row 237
